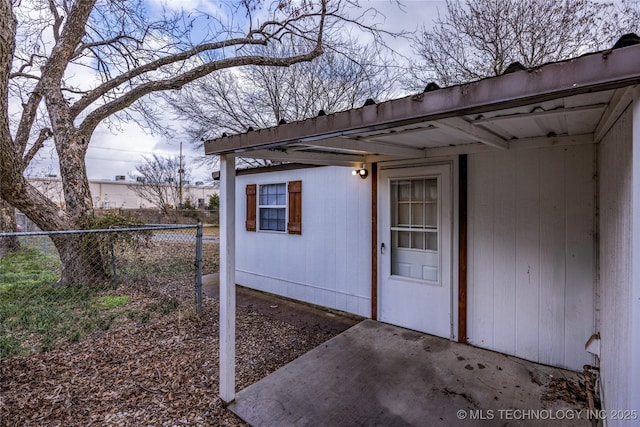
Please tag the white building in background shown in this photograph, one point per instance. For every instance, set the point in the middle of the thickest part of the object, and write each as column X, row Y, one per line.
column 117, row 194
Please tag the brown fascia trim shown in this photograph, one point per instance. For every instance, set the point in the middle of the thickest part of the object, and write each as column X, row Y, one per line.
column 267, row 169
column 599, row 71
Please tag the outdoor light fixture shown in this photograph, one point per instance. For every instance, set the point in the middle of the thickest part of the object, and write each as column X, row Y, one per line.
column 361, row 172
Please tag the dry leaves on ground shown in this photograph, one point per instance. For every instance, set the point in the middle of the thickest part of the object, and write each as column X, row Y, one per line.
column 162, row 373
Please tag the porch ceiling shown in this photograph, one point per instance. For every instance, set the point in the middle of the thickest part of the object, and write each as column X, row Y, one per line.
column 532, row 106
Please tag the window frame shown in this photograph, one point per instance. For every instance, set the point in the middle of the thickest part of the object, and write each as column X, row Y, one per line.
column 278, row 207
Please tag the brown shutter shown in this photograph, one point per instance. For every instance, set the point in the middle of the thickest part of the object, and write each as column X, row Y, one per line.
column 294, row 226
column 250, row 223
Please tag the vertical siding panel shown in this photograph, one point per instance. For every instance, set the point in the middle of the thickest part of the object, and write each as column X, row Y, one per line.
column 346, row 257
column 330, row 254
column 615, row 174
column 579, row 308
column 481, row 219
column 344, row 235
column 527, row 320
column 552, row 255
column 325, row 265
column 360, row 279
column 471, row 258
column 504, row 251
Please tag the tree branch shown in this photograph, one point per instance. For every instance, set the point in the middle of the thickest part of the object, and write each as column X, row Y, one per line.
column 37, row 145
column 92, row 120
column 271, row 29
column 54, row 68
column 68, row 40
column 104, row 88
column 57, row 20
column 87, row 46
column 23, row 75
column 26, row 64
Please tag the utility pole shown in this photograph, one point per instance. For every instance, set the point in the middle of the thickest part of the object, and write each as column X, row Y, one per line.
column 180, row 172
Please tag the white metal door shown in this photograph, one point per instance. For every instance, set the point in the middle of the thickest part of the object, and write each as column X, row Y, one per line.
column 415, row 221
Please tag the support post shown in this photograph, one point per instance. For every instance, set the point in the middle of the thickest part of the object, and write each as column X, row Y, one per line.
column 227, row 278
column 374, row 241
column 634, row 327
column 199, row 270
column 462, row 249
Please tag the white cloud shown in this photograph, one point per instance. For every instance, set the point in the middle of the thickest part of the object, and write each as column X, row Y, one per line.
column 206, row 6
column 110, row 155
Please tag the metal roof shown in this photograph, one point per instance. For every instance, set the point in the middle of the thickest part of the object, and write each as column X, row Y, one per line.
column 576, row 99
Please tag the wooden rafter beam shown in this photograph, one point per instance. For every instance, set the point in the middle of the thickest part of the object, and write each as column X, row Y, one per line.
column 618, row 104
column 463, row 127
column 541, row 114
column 312, row 158
column 367, row 146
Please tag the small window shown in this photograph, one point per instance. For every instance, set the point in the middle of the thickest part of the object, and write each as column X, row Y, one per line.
column 272, row 207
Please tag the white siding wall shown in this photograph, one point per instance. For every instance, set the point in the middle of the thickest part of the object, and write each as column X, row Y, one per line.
column 531, row 253
column 330, row 263
column 615, row 286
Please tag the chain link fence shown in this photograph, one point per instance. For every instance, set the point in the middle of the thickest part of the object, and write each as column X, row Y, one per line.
column 123, row 276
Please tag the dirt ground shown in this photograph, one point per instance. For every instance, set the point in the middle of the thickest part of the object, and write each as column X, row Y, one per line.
column 303, row 316
column 163, row 372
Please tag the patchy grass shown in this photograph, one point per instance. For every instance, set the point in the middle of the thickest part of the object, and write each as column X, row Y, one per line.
column 155, row 279
column 111, row 301
column 163, row 259
column 36, row 315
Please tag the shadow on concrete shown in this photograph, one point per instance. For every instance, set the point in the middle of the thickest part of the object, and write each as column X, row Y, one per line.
column 374, row 374
column 381, row 375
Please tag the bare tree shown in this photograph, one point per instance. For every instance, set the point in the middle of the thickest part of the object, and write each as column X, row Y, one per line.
column 481, row 38
column 260, row 97
column 158, row 180
column 69, row 66
column 623, row 19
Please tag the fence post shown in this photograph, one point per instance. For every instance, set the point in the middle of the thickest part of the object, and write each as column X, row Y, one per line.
column 199, row 270
column 113, row 264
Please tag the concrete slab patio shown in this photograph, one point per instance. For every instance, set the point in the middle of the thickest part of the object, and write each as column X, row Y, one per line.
column 375, row 374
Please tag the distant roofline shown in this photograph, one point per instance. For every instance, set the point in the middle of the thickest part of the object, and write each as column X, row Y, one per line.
column 113, row 181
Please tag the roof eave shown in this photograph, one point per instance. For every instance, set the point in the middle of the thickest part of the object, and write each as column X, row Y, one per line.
column 604, row 70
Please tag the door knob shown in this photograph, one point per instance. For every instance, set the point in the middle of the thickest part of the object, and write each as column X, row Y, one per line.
column 382, row 248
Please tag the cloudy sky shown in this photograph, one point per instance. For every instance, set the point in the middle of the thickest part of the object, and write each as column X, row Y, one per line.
column 117, row 151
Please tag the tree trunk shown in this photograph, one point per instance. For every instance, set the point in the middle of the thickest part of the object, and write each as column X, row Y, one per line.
column 8, row 224
column 83, row 259
column 7, row 45
column 81, row 255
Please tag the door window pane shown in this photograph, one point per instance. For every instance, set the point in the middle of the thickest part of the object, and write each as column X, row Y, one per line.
column 417, row 214
column 417, row 190
column 404, row 214
column 414, row 228
column 431, row 215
